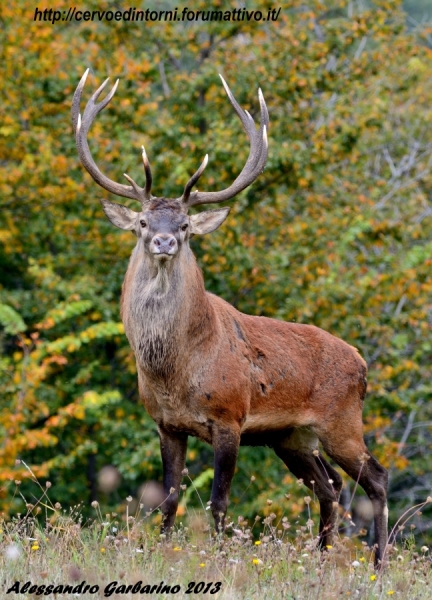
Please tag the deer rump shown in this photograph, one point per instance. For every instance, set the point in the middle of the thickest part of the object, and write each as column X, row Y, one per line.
column 207, row 370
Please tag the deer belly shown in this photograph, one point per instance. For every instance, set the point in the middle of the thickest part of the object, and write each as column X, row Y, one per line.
column 276, row 420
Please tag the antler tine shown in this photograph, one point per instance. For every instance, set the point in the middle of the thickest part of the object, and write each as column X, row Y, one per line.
column 81, row 127
column 76, row 117
column 245, row 117
column 256, row 159
column 192, row 181
column 148, row 173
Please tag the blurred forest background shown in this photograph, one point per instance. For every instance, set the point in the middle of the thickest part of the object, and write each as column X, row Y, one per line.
column 336, row 232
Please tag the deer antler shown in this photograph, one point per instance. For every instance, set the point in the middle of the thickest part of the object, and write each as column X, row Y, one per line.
column 254, row 164
column 81, row 127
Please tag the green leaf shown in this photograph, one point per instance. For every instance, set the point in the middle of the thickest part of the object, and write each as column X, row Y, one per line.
column 11, row 320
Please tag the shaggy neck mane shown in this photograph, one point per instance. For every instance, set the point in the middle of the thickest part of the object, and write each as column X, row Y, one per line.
column 164, row 310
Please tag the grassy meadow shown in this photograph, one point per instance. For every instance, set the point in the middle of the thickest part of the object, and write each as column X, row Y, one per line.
column 55, row 552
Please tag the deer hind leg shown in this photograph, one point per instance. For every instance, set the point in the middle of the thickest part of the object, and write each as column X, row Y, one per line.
column 297, row 452
column 351, row 454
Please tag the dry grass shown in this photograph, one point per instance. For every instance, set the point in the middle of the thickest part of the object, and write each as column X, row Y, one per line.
column 265, row 559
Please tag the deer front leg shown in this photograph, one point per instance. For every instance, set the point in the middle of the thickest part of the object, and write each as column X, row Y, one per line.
column 226, row 441
column 173, row 451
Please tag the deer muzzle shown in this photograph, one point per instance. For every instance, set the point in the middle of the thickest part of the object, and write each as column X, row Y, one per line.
column 164, row 244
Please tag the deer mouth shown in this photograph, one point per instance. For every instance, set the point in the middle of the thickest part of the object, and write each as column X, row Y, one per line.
column 161, row 256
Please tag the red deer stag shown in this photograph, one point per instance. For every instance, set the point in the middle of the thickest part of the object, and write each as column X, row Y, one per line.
column 230, row 379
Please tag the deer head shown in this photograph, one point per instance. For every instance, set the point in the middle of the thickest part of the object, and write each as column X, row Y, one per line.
column 163, row 224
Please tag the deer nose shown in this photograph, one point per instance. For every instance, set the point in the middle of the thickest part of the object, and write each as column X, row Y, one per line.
column 164, row 243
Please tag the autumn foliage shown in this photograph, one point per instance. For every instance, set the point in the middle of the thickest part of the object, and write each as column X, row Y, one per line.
column 336, row 232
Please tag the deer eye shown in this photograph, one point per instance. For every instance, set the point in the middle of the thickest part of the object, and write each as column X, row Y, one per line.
column 184, row 227
column 143, row 223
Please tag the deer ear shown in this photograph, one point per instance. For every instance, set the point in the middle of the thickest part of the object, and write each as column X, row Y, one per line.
column 208, row 221
column 120, row 215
